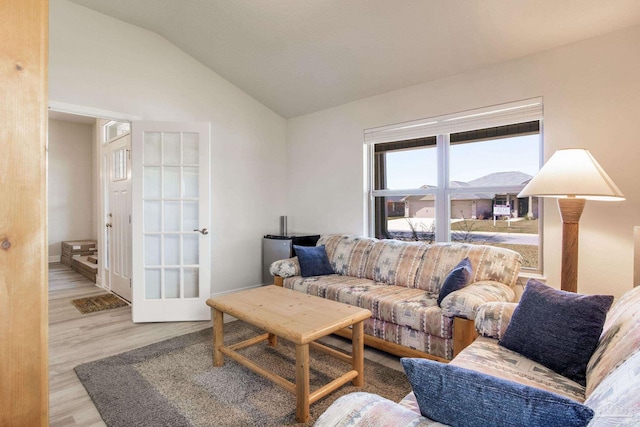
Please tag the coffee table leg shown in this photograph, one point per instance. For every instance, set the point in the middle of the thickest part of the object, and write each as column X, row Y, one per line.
column 357, row 353
column 273, row 340
column 218, row 337
column 302, row 383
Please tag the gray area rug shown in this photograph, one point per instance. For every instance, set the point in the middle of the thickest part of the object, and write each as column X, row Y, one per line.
column 173, row 383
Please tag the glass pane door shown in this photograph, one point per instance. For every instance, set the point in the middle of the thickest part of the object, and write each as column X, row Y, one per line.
column 171, row 210
column 170, row 196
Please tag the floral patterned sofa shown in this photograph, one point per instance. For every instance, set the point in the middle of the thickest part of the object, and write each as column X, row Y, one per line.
column 612, row 378
column 400, row 283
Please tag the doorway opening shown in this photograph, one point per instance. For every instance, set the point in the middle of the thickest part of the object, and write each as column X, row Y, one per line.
column 151, row 213
column 90, row 197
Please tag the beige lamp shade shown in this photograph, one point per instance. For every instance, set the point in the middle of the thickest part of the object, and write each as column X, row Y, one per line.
column 572, row 173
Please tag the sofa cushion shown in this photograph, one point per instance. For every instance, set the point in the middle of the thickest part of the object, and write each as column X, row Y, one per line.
column 616, row 400
column 556, row 328
column 351, row 290
column 466, row 301
column 313, row 260
column 368, row 409
column 285, row 267
column 410, row 338
column 486, row 356
column 318, row 285
column 413, row 308
column 410, row 402
column 457, row 279
column 348, row 255
column 394, row 262
column 620, row 339
column 458, row 396
column 489, row 263
column 409, row 307
column 493, row 318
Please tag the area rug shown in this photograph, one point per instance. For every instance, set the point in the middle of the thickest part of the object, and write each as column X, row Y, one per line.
column 97, row 303
column 173, row 383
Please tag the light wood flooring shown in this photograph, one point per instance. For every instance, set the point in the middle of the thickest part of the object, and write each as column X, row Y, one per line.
column 76, row 338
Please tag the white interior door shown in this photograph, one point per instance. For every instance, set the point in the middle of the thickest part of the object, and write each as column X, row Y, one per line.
column 170, row 201
column 119, row 216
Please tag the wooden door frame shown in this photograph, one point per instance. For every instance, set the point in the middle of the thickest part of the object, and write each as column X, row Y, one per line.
column 24, row 31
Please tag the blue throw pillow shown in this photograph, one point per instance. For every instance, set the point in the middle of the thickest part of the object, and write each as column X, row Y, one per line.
column 457, row 278
column 313, row 260
column 557, row 329
column 461, row 397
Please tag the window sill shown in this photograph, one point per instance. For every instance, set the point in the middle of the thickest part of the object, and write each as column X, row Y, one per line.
column 523, row 278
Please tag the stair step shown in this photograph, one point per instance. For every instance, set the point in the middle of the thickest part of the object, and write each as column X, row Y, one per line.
column 80, row 264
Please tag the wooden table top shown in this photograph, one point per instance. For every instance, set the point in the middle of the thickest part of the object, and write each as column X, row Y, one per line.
column 292, row 315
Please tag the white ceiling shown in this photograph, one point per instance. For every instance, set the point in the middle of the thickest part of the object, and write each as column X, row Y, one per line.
column 301, row 56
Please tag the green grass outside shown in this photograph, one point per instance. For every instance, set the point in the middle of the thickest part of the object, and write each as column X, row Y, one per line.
column 522, row 226
column 529, row 253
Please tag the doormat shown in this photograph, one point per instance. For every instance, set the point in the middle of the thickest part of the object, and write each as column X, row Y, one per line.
column 98, row 303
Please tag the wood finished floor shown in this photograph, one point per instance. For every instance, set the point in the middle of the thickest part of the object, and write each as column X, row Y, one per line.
column 76, row 338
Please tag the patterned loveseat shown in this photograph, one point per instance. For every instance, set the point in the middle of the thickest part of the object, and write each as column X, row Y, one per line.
column 400, row 283
column 612, row 378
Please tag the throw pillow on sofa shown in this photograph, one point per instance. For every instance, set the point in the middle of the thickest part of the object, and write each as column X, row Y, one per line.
column 461, row 397
column 557, row 329
column 313, row 260
column 457, row 279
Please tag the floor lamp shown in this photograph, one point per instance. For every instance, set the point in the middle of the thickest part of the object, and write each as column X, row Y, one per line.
column 572, row 176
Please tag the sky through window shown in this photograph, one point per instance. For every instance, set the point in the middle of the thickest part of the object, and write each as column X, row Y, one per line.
column 468, row 161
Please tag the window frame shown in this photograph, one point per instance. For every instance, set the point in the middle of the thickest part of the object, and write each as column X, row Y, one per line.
column 121, row 128
column 443, row 190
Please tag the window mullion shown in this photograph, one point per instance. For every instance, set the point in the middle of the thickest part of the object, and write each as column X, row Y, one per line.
column 443, row 233
column 370, row 203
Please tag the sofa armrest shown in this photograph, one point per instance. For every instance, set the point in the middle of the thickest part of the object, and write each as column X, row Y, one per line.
column 465, row 302
column 367, row 409
column 285, row 267
column 493, row 318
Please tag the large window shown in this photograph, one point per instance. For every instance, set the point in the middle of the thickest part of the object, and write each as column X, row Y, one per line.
column 460, row 182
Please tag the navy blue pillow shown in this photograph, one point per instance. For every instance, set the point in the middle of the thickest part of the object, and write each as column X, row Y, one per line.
column 313, row 260
column 457, row 278
column 461, row 397
column 557, row 329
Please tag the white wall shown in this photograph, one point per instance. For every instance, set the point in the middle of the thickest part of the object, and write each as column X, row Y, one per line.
column 70, row 190
column 591, row 96
column 97, row 61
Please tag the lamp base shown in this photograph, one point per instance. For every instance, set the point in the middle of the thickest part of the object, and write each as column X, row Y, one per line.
column 570, row 212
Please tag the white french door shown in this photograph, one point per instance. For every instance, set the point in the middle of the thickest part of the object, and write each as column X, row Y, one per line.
column 119, row 216
column 171, row 211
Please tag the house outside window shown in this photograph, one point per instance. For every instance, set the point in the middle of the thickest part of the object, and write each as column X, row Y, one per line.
column 457, row 177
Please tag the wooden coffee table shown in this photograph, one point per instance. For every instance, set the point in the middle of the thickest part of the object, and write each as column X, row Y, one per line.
column 300, row 319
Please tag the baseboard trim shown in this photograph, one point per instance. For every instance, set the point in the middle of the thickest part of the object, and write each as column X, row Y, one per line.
column 233, row 291
column 54, row 258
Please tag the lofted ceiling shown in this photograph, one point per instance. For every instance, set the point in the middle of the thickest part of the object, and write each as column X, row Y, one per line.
column 302, row 56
